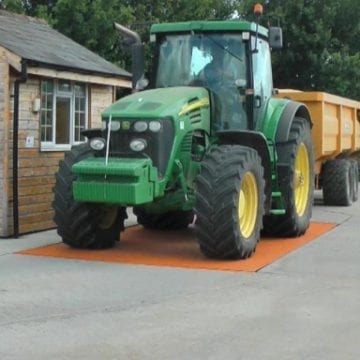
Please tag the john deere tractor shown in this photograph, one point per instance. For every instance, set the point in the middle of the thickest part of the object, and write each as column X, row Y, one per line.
column 204, row 142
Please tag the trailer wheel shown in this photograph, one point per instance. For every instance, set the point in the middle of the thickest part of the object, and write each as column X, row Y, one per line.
column 83, row 225
column 172, row 220
column 338, row 185
column 355, row 179
column 296, row 181
column 230, row 200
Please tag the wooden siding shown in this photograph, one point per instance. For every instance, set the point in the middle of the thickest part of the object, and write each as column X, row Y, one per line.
column 36, row 167
column 101, row 97
column 4, row 124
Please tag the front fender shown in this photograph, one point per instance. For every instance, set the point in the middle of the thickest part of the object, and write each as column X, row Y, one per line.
column 258, row 142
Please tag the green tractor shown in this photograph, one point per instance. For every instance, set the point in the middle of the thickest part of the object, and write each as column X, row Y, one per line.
column 206, row 142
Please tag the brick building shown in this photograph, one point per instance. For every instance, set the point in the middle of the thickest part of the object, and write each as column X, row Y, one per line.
column 50, row 89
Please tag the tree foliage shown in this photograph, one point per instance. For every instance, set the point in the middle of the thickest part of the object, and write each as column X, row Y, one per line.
column 321, row 47
column 321, row 51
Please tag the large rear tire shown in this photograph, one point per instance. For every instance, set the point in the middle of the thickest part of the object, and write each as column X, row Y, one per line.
column 355, row 179
column 230, row 200
column 83, row 225
column 337, row 182
column 296, row 181
column 171, row 220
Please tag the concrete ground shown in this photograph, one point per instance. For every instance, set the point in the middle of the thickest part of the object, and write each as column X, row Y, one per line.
column 304, row 306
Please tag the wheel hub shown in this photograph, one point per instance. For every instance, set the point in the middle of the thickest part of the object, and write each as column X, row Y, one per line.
column 248, row 204
column 107, row 216
column 301, row 179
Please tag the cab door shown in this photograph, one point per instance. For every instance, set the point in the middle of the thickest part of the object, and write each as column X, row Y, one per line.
column 262, row 79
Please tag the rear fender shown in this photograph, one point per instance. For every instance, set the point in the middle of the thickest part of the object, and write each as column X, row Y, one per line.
column 258, row 142
column 292, row 109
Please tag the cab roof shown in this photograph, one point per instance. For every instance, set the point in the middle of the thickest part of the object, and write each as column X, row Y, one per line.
column 204, row 26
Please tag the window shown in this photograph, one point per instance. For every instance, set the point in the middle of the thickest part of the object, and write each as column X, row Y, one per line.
column 182, row 58
column 63, row 113
column 263, row 82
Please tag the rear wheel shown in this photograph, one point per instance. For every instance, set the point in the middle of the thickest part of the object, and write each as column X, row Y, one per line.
column 229, row 202
column 296, row 181
column 355, row 179
column 171, row 220
column 338, row 183
column 83, row 225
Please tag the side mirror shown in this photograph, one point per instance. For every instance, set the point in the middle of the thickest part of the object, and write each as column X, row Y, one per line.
column 275, row 38
column 141, row 84
column 240, row 83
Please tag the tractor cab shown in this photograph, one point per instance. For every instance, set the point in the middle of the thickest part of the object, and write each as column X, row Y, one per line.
column 216, row 61
column 230, row 59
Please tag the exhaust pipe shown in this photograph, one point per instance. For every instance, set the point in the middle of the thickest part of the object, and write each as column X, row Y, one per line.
column 137, row 54
column 127, row 32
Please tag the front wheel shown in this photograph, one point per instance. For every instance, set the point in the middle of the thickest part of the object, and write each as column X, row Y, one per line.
column 296, row 181
column 229, row 202
column 83, row 225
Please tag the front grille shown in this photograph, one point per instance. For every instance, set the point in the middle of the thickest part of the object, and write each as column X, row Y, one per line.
column 158, row 147
column 186, row 143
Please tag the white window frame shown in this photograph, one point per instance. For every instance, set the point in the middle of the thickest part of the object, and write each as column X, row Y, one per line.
column 51, row 145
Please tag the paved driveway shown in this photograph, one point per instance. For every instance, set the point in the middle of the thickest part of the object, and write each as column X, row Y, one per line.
column 304, row 306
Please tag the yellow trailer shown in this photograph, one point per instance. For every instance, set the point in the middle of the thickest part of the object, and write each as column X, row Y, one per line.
column 336, row 139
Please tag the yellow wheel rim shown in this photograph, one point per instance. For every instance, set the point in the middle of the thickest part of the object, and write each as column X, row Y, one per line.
column 248, row 205
column 302, row 180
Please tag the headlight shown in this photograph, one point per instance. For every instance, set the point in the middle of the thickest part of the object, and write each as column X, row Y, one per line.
column 115, row 125
column 154, row 126
column 97, row 144
column 103, row 125
column 138, row 144
column 140, row 126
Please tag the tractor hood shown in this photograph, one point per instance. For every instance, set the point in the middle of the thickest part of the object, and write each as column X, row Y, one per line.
column 173, row 101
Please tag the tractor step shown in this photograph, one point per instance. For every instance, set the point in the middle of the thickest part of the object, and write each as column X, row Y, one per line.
column 278, row 211
column 277, row 195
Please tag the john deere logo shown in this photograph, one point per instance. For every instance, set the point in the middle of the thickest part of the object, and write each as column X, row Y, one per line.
column 125, row 125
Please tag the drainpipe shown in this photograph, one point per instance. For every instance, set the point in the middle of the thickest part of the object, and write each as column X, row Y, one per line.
column 17, row 83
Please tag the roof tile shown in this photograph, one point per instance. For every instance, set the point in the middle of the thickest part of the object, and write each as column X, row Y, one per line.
column 33, row 39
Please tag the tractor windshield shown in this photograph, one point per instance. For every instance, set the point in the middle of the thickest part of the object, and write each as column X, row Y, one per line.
column 183, row 59
column 215, row 61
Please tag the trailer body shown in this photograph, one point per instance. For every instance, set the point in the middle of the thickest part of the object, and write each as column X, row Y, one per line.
column 335, row 135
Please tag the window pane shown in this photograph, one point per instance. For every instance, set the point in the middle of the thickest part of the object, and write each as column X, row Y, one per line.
column 79, row 126
column 46, row 110
column 49, row 118
column 62, row 120
column 82, row 104
column 43, row 118
column 79, row 89
column 50, row 102
column 48, row 132
column 43, row 133
column 64, row 86
column 80, row 111
column 47, row 86
column 77, row 104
